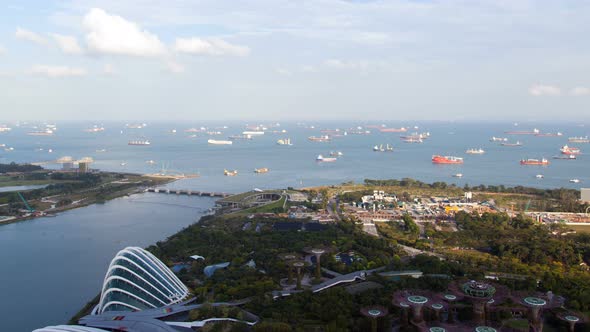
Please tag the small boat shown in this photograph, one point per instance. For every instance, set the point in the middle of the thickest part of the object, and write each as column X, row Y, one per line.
column 261, row 170
column 323, row 159
column 388, row 148
column 150, row 162
column 535, row 162
column 437, row 159
column 539, row 176
column 378, row 148
column 123, row 164
column 336, row 153
column 475, row 151
column 230, row 173
column 458, row 175
column 101, row 150
column 575, row 180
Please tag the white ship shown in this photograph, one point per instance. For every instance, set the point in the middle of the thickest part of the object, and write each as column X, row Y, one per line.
column 323, row 159
column 4, row 129
column 219, row 142
column 286, row 141
column 475, row 151
column 94, row 129
column 253, row 133
column 139, row 142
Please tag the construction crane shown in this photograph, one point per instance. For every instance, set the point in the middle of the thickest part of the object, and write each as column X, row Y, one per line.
column 31, row 210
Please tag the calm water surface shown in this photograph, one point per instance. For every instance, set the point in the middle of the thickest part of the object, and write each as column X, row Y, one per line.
column 50, row 267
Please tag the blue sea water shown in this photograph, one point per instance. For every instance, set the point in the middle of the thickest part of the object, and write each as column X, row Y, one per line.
column 50, row 267
column 295, row 165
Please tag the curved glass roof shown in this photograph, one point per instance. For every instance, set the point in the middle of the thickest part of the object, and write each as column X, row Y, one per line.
column 137, row 280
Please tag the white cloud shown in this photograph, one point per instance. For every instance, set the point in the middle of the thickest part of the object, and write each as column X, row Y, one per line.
column 580, row 91
column 209, row 46
column 30, row 36
column 112, row 34
column 175, row 67
column 57, row 71
column 108, row 69
column 544, row 90
column 68, row 44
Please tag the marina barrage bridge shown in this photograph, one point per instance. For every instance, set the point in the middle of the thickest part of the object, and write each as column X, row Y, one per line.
column 188, row 192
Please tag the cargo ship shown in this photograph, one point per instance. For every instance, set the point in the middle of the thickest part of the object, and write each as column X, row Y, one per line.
column 475, row 151
column 413, row 140
column 580, row 139
column 380, row 148
column 135, row 125
column 261, row 170
column 240, row 137
column 230, row 173
column 253, row 133
column 569, row 150
column 436, row 159
column 4, row 129
column 336, row 153
column 557, row 134
column 535, row 162
column 94, row 129
column 393, row 130
column 422, row 136
column 324, row 138
column 511, row 144
column 498, row 139
column 566, row 157
column 139, row 142
column 323, row 159
column 46, row 132
column 219, row 142
column 523, row 132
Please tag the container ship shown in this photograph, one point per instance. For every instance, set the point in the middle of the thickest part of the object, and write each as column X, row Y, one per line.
column 580, row 139
column 139, row 142
column 523, row 132
column 535, row 162
column 393, row 130
column 261, row 170
column 323, row 159
column 569, row 150
column 324, row 138
column 475, row 151
column 219, row 142
column 436, row 159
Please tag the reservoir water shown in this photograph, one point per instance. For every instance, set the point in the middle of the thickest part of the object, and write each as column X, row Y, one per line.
column 50, row 267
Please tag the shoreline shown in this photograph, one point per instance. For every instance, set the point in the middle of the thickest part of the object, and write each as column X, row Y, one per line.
column 118, row 194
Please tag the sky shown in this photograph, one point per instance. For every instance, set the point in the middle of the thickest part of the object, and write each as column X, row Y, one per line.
column 181, row 60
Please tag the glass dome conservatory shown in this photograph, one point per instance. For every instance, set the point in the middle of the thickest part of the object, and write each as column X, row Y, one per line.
column 137, row 280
